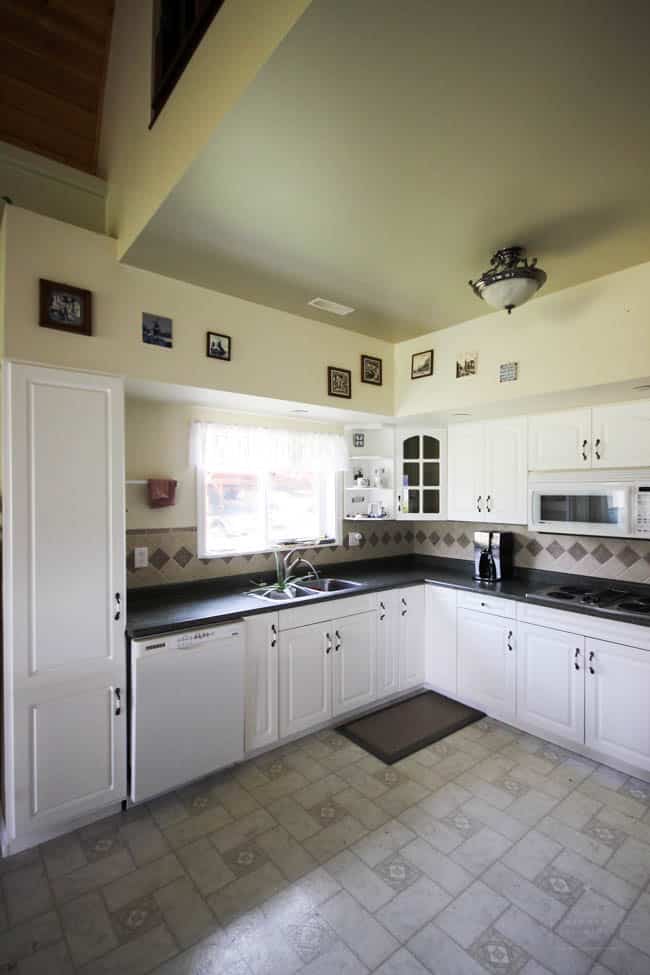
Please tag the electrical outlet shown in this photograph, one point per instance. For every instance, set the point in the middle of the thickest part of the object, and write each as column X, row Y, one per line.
column 354, row 539
column 141, row 557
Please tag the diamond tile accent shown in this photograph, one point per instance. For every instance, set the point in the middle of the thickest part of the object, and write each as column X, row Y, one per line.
column 244, row 859
column 636, row 789
column 311, row 936
column 605, row 834
column 448, row 539
column 327, row 813
column 513, row 786
column 374, row 538
column 498, row 954
column 560, row 885
column 601, row 554
column 517, row 545
column 628, row 556
column 409, row 536
column 462, row 824
column 534, row 547
column 577, row 551
column 397, row 872
column 434, row 538
column 555, row 549
column 158, row 559
column 390, row 777
column 421, row 537
column 183, row 556
column 136, row 918
column 385, row 538
column 463, row 540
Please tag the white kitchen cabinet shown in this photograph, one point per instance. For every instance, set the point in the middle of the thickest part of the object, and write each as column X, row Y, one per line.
column 550, row 681
column 261, row 726
column 486, row 663
column 487, row 471
column 617, row 692
column 621, row 435
column 387, row 643
column 305, row 677
column 421, row 459
column 64, row 651
column 440, row 626
column 354, row 662
column 411, row 641
column 560, row 441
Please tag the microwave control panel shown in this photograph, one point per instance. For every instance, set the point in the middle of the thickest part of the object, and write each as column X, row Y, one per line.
column 642, row 513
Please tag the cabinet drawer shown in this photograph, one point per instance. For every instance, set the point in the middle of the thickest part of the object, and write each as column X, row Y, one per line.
column 495, row 605
column 330, row 609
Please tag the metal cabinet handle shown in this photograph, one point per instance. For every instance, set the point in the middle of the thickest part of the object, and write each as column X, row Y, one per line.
column 338, row 637
column 478, row 503
column 510, row 641
column 591, row 657
column 405, row 605
column 118, row 699
column 487, row 503
column 381, row 606
column 576, row 657
column 382, row 616
column 596, row 446
column 118, row 603
column 328, row 648
column 274, row 633
column 585, row 444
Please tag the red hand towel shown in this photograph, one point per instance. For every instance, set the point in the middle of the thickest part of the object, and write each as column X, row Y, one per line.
column 162, row 492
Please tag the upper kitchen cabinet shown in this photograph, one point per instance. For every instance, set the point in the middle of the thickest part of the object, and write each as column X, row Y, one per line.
column 616, row 435
column 64, row 654
column 559, row 441
column 487, row 471
column 421, row 466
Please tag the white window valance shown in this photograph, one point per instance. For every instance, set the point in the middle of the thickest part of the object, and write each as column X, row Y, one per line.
column 240, row 449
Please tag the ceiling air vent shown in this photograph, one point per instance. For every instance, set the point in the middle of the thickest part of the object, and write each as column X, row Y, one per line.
column 332, row 306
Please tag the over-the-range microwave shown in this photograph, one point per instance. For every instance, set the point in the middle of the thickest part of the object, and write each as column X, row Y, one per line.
column 590, row 503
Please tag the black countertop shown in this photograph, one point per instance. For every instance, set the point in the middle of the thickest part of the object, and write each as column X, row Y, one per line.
column 162, row 609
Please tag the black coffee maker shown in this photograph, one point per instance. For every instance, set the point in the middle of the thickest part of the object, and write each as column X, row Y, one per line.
column 492, row 555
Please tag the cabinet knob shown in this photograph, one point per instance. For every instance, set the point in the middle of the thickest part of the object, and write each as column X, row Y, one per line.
column 585, row 444
column 488, row 506
column 510, row 640
column 328, row 648
column 478, row 503
column 596, row 448
column 575, row 658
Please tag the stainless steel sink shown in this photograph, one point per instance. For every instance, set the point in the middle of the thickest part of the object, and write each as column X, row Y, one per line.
column 283, row 595
column 330, row 585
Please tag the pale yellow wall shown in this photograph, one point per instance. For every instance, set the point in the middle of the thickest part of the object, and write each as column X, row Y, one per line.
column 157, row 445
column 143, row 165
column 273, row 353
column 592, row 334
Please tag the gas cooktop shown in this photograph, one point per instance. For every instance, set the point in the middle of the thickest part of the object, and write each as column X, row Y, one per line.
column 616, row 599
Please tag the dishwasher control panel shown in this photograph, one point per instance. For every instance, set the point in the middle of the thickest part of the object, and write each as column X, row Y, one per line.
column 184, row 640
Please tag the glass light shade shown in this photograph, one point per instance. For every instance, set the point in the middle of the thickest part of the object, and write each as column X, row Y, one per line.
column 509, row 293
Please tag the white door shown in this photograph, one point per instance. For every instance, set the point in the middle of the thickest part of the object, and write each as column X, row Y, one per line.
column 551, row 681
column 420, row 474
column 559, row 441
column 412, row 651
column 621, row 435
column 387, row 643
column 440, row 627
column 466, row 488
column 486, row 663
column 354, row 662
column 506, row 474
column 261, row 680
column 305, row 677
column 617, row 692
column 64, row 595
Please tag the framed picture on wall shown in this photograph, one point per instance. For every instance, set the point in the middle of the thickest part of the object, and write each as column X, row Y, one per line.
column 218, row 346
column 339, row 382
column 157, row 330
column 422, row 364
column 65, row 307
column 371, row 370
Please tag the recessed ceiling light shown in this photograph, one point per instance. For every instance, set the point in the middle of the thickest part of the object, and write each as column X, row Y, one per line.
column 298, row 411
column 645, row 386
column 461, row 414
column 332, row 306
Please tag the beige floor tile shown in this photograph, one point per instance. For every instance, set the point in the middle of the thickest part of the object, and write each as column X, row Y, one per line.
column 137, row 957
column 143, row 881
column 87, row 928
column 243, row 829
column 294, row 818
column 246, row 892
column 380, row 843
column 186, row 914
column 331, row 840
column 18, row 942
column 27, row 893
column 287, row 854
column 206, row 866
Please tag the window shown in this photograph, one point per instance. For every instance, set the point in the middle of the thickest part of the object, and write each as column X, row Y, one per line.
column 259, row 488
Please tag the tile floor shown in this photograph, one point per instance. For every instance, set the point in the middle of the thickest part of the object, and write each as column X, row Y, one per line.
column 489, row 852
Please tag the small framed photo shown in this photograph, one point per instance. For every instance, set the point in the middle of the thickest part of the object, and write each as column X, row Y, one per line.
column 218, row 346
column 508, row 372
column 467, row 365
column 358, row 440
column 65, row 307
column 157, row 330
column 422, row 364
column 371, row 370
column 339, row 382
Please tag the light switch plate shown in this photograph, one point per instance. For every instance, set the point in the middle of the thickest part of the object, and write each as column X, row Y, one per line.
column 141, row 557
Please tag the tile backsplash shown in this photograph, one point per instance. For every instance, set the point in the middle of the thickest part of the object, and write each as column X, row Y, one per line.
column 173, row 558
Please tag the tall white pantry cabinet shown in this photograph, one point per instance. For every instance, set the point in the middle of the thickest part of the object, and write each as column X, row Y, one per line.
column 64, row 668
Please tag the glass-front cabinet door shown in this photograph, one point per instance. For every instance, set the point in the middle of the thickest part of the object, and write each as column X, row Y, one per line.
column 421, row 474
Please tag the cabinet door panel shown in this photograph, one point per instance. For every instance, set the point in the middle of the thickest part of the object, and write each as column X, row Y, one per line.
column 550, row 681
column 505, row 477
column 559, row 441
column 617, row 716
column 621, row 435
column 466, row 491
column 387, row 643
column 486, row 664
column 421, row 458
column 305, row 677
column 354, row 662
column 440, row 623
column 412, row 651
column 261, row 680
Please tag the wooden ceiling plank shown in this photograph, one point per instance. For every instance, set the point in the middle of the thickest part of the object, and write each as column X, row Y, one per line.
column 34, row 36
column 46, row 106
column 48, row 76
column 57, row 22
column 21, row 129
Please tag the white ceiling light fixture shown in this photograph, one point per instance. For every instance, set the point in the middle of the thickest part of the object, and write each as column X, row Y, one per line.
column 332, row 306
column 511, row 279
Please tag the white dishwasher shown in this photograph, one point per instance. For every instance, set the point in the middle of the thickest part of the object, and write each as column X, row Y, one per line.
column 187, row 707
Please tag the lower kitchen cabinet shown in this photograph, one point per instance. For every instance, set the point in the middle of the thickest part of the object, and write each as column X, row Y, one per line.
column 410, row 637
column 305, row 677
column 617, row 693
column 550, row 681
column 486, row 663
column 387, row 643
column 354, row 662
column 261, row 727
column 440, row 608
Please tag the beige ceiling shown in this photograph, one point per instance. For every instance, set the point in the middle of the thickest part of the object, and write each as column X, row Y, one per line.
column 388, row 148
